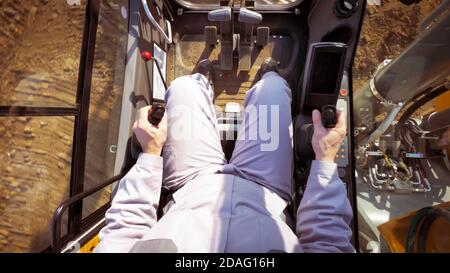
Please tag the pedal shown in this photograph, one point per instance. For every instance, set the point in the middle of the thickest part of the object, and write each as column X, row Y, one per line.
column 247, row 19
column 211, row 36
column 245, row 60
column 226, row 55
column 224, row 15
column 262, row 36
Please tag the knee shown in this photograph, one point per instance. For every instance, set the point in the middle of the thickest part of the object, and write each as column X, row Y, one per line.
column 188, row 90
column 181, row 87
column 183, row 83
column 272, row 89
column 274, row 80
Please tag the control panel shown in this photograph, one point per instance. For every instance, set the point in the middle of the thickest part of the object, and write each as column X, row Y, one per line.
column 342, row 157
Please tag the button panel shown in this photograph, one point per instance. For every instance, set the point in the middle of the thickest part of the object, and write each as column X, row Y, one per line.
column 343, row 153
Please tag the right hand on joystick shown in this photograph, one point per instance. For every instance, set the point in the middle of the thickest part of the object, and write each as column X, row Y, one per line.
column 151, row 137
column 327, row 141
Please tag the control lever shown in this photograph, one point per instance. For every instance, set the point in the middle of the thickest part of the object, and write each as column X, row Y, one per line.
column 220, row 15
column 248, row 19
column 304, row 148
column 154, row 116
column 329, row 116
column 224, row 16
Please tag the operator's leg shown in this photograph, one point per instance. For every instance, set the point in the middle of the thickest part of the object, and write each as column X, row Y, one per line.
column 193, row 143
column 263, row 151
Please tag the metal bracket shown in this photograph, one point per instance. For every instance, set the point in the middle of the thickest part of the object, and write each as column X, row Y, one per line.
column 372, row 86
column 168, row 36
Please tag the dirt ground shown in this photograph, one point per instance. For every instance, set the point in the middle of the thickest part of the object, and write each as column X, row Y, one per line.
column 39, row 57
column 387, row 30
column 40, row 44
column 35, row 152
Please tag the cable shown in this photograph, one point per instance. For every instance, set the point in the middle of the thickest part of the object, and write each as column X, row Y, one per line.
column 428, row 220
column 413, row 228
column 420, row 224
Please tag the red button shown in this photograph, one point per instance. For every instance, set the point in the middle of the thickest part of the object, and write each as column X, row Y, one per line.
column 344, row 92
column 146, row 55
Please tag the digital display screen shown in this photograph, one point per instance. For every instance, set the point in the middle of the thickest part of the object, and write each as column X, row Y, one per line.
column 325, row 72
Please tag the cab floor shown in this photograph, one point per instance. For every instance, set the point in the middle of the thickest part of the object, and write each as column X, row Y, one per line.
column 230, row 86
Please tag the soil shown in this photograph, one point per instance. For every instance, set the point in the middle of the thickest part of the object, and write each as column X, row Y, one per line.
column 387, row 30
column 40, row 43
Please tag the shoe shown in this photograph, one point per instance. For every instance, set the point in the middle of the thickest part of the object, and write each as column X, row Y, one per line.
column 206, row 68
column 269, row 65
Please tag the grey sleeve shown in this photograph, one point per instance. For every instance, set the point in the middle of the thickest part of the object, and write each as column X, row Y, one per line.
column 133, row 210
column 324, row 214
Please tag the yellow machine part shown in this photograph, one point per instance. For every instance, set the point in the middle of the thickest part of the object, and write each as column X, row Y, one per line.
column 395, row 231
column 442, row 102
column 90, row 245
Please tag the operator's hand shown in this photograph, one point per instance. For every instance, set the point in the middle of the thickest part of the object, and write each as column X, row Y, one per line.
column 150, row 137
column 326, row 142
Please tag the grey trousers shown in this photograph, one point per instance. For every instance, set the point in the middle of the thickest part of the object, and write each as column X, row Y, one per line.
column 263, row 152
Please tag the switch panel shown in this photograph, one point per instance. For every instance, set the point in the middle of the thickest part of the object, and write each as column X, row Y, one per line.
column 342, row 157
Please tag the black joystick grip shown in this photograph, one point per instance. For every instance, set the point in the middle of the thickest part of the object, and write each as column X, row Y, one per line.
column 154, row 117
column 329, row 116
column 156, row 114
column 303, row 140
